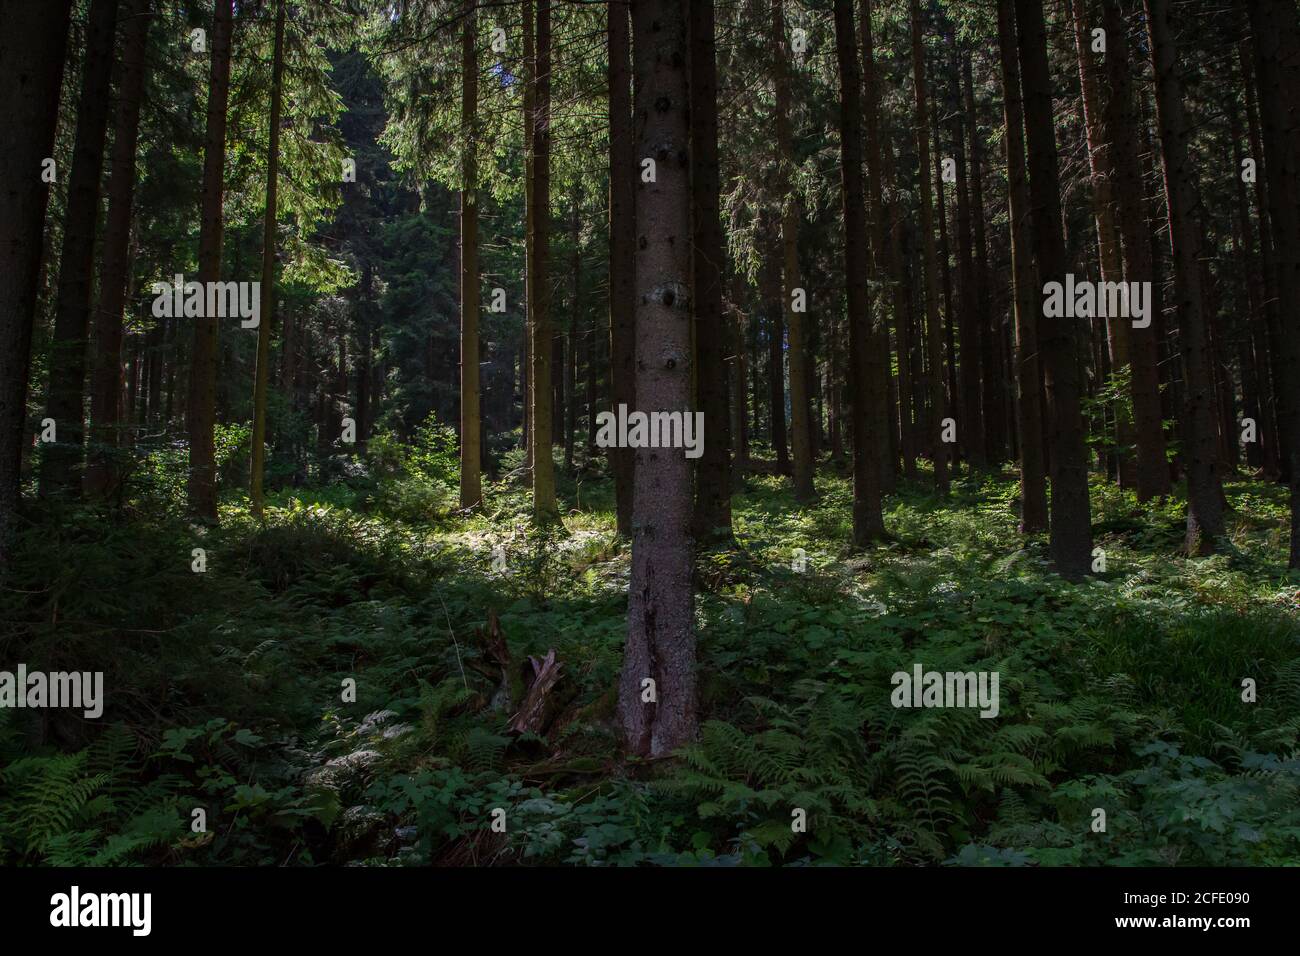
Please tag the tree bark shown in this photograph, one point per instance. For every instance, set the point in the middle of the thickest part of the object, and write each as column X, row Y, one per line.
column 712, row 517
column 869, row 444
column 1277, row 61
column 661, row 603
column 32, row 48
column 933, row 331
column 59, row 467
column 267, row 321
column 622, row 226
column 1204, row 490
column 1151, row 466
column 1071, row 529
column 800, row 399
column 539, row 288
column 102, row 471
column 1024, row 278
column 471, row 409
column 202, row 412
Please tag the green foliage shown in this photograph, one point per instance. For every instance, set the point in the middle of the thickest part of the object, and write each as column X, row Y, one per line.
column 1121, row 693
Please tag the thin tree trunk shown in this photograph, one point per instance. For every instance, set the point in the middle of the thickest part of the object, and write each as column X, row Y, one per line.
column 1101, row 169
column 471, row 409
column 571, row 354
column 932, row 330
column 1272, row 318
column 1071, row 529
column 712, row 517
column 202, row 411
column 1204, row 491
column 622, row 232
column 1277, row 59
column 264, row 328
column 880, row 262
column 1151, row 466
column 800, row 399
column 970, row 426
column 660, row 716
column 864, row 378
column 1029, row 414
column 539, row 305
column 59, row 467
column 102, row 472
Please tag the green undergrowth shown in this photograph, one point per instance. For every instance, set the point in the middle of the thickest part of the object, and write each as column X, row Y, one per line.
column 227, row 690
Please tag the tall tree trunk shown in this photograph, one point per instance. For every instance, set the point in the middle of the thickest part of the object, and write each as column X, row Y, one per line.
column 991, row 381
column 775, row 354
column 1101, row 169
column 659, row 717
column 1121, row 122
column 263, row 373
column 1277, row 59
column 1272, row 318
column 970, row 424
column 712, row 517
column 949, row 368
column 471, row 410
column 77, row 261
column 1257, row 379
column 882, row 259
column 933, row 332
column 32, row 48
column 102, row 472
column 1071, row 529
column 622, row 232
column 202, row 411
column 1204, row 491
column 864, row 378
column 539, row 291
column 1024, row 278
column 571, row 351
column 800, row 399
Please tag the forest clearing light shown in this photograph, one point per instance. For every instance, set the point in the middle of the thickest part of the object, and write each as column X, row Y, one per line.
column 651, row 430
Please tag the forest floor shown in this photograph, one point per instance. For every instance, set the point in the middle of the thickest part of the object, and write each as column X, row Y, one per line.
column 227, row 690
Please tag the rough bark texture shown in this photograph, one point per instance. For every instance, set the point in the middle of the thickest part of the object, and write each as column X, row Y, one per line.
column 661, row 603
column 713, row 469
column 203, row 357
column 471, row 417
column 1071, row 530
column 1024, row 278
column 59, row 467
column 115, row 268
column 1204, row 490
column 622, row 223
column 267, row 321
column 32, row 47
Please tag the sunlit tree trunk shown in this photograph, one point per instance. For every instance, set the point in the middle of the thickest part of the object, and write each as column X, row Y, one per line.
column 659, row 716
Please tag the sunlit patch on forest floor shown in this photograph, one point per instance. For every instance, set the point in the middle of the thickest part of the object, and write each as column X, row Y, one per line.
column 225, row 689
